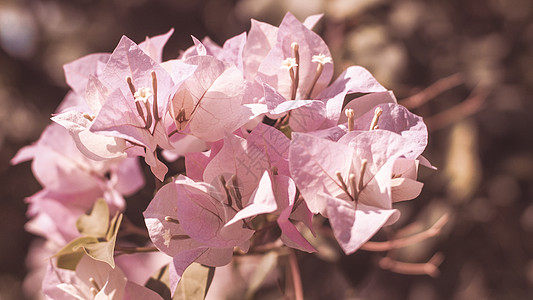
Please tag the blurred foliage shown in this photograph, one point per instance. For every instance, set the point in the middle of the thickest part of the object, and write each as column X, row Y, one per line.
column 483, row 148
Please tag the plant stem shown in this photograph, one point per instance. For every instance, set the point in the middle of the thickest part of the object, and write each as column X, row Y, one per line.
column 296, row 278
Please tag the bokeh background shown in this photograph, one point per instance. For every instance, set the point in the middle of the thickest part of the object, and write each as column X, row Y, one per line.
column 479, row 113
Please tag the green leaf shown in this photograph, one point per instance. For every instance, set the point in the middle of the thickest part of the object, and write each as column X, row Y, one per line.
column 286, row 130
column 267, row 264
column 194, row 283
column 70, row 255
column 69, row 261
column 96, row 223
column 104, row 250
column 159, row 283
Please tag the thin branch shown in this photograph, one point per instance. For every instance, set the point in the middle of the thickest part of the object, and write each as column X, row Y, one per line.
column 464, row 109
column 130, row 250
column 296, row 278
column 432, row 91
column 429, row 268
column 410, row 240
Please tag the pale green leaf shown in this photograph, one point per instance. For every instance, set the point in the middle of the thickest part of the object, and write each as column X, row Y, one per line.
column 194, row 282
column 159, row 283
column 70, row 255
column 104, row 250
column 96, row 223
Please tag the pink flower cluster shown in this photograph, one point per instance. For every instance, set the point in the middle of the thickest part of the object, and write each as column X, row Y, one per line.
column 269, row 141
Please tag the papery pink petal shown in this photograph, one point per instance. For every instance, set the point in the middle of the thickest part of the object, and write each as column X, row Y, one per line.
column 202, row 215
column 332, row 133
column 72, row 101
column 301, row 213
column 398, row 119
column 128, row 60
column 165, row 204
column 277, row 105
column 158, row 168
column 139, row 267
column 290, row 31
column 128, row 177
column 285, row 191
column 309, row 117
column 425, row 162
column 261, row 38
column 119, row 118
column 312, row 20
column 404, row 185
column 24, row 154
column 262, row 201
column 187, row 144
column 58, row 164
column 200, row 48
column 53, row 219
column 195, row 164
column 77, row 72
column 93, row 146
column 134, row 291
column 216, row 257
column 153, row 46
column 114, row 287
column 211, row 99
column 352, row 228
column 290, row 234
column 232, row 51
column 274, row 144
column 355, row 79
column 95, row 94
column 313, row 172
column 52, row 281
column 403, row 189
column 178, row 70
column 366, row 103
column 240, row 158
column 380, row 149
column 406, row 168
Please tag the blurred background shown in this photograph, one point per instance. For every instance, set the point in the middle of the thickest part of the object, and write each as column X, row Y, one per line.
column 465, row 66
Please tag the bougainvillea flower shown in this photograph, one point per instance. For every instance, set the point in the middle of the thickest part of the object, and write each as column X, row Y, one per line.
column 209, row 103
column 153, row 46
column 78, row 122
column 247, row 159
column 355, row 177
column 276, row 194
column 92, row 280
column 299, row 68
column 186, row 221
column 135, row 108
column 60, row 167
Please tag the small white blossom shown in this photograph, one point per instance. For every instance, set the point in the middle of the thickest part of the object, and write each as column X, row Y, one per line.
column 322, row 59
column 142, row 94
column 289, row 63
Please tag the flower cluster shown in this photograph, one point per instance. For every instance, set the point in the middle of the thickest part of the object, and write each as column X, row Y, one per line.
column 268, row 139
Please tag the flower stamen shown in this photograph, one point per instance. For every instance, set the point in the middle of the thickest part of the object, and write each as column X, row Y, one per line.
column 296, row 54
column 374, row 123
column 351, row 120
column 95, row 288
column 171, row 220
column 154, row 104
column 360, row 186
column 321, row 59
